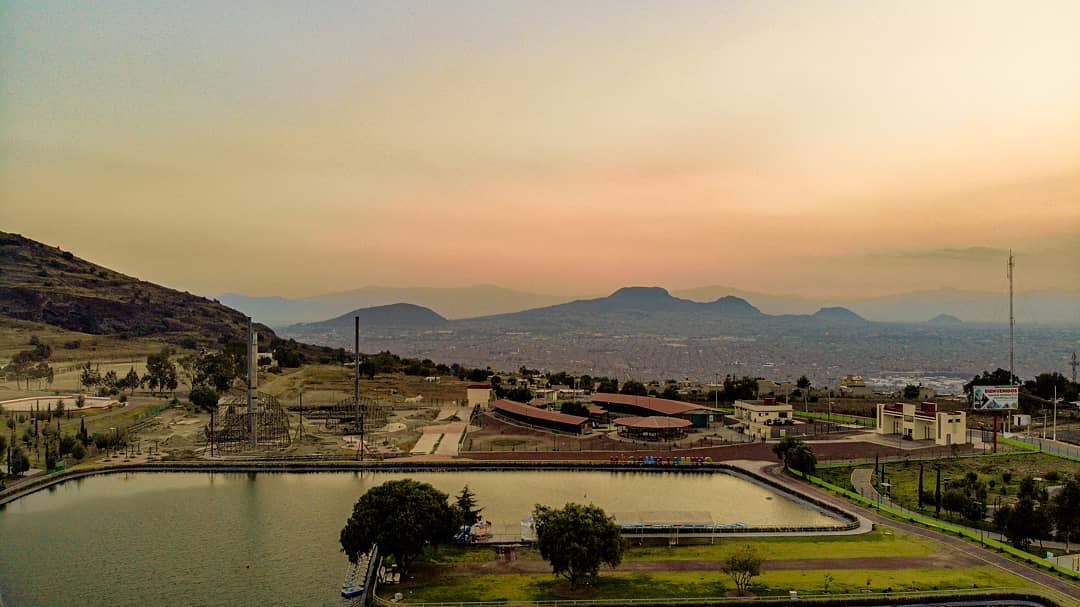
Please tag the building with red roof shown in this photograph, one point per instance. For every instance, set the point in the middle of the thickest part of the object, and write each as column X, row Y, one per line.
column 542, row 418
column 649, row 406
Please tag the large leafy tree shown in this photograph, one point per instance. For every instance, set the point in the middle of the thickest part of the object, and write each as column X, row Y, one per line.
column 635, row 388
column 160, row 371
column 217, row 369
column 204, row 397
column 401, row 517
column 796, row 455
column 577, row 540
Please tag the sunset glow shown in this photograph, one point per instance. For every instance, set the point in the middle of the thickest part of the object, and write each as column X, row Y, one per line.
column 820, row 148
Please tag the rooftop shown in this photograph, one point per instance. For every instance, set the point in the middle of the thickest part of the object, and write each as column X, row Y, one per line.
column 661, row 406
column 656, row 422
column 516, row 408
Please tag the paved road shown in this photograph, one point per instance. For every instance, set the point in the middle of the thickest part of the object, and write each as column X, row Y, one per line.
column 1068, row 589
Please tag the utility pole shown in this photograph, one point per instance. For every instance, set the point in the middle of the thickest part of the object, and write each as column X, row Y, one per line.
column 356, row 388
column 1055, row 412
column 253, row 341
column 1074, row 364
column 1012, row 319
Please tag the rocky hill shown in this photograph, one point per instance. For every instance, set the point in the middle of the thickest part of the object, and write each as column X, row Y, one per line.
column 393, row 316
column 45, row 284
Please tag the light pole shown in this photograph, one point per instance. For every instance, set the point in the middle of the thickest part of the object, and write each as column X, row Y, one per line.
column 1055, row 413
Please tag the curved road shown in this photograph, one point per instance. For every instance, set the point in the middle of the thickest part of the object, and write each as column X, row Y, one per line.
column 1065, row 588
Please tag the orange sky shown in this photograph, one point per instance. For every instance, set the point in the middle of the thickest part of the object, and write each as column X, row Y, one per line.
column 823, row 148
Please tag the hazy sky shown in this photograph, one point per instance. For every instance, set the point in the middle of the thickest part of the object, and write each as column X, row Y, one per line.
column 563, row 147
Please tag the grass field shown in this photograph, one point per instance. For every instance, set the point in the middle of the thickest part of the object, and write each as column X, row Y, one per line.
column 875, row 543
column 904, row 476
column 449, row 573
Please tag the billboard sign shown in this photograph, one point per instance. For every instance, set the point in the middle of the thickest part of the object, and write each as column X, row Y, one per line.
column 996, row 397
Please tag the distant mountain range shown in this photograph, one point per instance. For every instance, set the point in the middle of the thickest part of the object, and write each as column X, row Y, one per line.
column 1044, row 307
column 453, row 302
column 644, row 308
column 646, row 332
column 1047, row 307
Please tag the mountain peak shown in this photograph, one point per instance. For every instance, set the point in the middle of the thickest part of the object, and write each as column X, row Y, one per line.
column 837, row 313
column 641, row 293
column 730, row 304
column 945, row 319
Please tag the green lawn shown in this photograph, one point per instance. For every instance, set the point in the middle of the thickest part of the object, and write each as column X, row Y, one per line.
column 436, row 580
column 904, row 476
column 875, row 543
column 610, row 585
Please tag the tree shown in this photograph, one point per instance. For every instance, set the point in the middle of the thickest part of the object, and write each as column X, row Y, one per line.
column 575, row 408
column 160, row 371
column 1065, row 510
column 78, row 451
column 803, row 384
column 204, row 397
column 216, row 369
column 742, row 388
column 796, row 455
column 59, row 410
column 466, row 503
column 89, row 377
column 910, row 392
column 519, row 394
column 111, row 381
column 401, row 517
column 577, row 540
column 743, row 566
column 1045, row 384
column 20, row 462
column 131, row 381
column 635, row 388
column 607, row 385
column 671, row 392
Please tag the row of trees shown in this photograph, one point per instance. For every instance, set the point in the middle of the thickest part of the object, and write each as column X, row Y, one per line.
column 1035, row 515
column 404, row 516
column 30, row 365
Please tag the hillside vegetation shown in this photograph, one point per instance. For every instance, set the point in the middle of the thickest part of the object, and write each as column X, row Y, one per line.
column 44, row 284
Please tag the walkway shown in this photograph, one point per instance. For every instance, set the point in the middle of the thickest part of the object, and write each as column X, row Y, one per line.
column 1056, row 584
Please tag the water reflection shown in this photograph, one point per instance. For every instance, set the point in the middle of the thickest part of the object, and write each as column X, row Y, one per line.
column 239, row 538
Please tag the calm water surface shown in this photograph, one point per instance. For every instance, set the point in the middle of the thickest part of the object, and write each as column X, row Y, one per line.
column 272, row 538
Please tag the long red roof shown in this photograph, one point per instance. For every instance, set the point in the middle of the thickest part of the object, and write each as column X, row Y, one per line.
column 662, row 406
column 656, row 422
column 510, row 406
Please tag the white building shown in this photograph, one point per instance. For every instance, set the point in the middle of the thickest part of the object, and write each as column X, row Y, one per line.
column 923, row 422
column 759, row 417
column 478, row 394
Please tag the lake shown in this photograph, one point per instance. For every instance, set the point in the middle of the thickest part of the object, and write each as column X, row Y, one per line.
column 272, row 538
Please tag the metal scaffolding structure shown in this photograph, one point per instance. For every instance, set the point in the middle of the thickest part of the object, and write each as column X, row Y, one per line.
column 232, row 432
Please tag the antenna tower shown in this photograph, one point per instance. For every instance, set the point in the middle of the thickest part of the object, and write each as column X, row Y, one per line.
column 1012, row 319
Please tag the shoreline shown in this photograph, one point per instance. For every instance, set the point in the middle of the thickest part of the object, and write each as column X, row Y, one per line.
column 849, row 522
